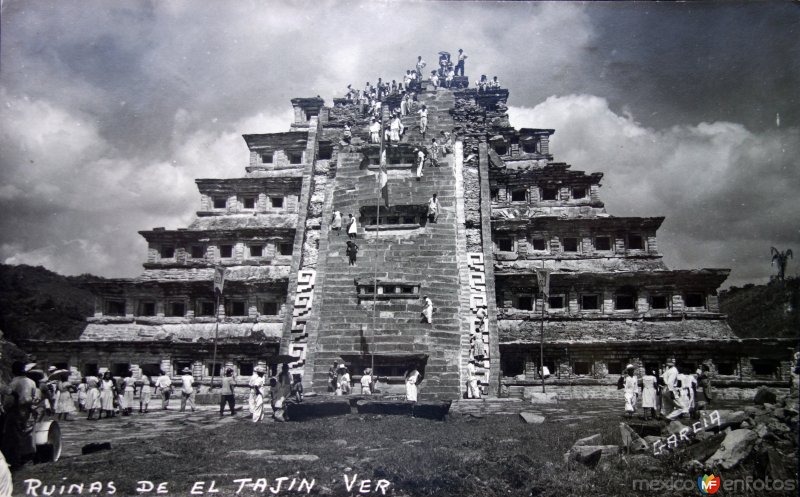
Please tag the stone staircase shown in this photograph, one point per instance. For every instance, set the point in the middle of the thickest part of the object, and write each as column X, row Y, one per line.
column 425, row 256
column 438, row 103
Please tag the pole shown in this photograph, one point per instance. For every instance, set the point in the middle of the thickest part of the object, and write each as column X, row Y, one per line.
column 216, row 333
column 541, row 342
column 375, row 270
column 541, row 329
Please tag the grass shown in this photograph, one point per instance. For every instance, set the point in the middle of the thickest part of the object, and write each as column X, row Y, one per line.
column 490, row 456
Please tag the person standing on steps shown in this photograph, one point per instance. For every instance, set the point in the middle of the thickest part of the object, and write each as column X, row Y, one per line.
column 336, row 222
column 460, row 64
column 412, row 378
column 433, row 209
column 420, row 66
column 420, row 157
column 351, row 251
column 395, row 129
column 473, row 390
column 436, row 150
column 352, row 227
column 427, row 310
column 423, row 119
column 375, row 131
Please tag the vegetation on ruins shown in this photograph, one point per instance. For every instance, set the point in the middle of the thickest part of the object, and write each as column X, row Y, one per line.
column 781, row 259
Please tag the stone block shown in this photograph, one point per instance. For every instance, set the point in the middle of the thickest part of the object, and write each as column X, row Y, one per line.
column 595, row 439
column 736, row 446
column 765, row 395
column 532, row 418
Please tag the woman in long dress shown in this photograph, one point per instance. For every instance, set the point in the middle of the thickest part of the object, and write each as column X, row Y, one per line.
column 145, row 394
column 107, row 395
column 649, row 394
column 631, row 390
column 257, row 394
column 336, row 222
column 65, row 404
column 92, row 396
column 352, row 227
column 412, row 380
column 82, row 395
column 130, row 388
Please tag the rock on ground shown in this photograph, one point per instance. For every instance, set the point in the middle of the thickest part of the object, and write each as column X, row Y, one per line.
column 595, row 439
column 734, row 449
column 532, row 418
column 582, row 453
column 765, row 395
column 631, row 440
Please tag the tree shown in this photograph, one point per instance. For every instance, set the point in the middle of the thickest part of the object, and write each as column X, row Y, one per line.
column 782, row 258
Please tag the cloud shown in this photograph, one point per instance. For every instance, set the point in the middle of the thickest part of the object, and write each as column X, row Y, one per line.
column 74, row 203
column 728, row 193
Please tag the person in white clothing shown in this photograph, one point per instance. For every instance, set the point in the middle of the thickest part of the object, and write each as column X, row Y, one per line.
column 669, row 393
column 352, row 227
column 257, row 389
column 366, row 382
column 187, row 389
column 412, row 380
column 631, row 390
column 473, row 390
column 420, row 161
column 427, row 310
column 164, row 387
column 375, row 131
column 423, row 119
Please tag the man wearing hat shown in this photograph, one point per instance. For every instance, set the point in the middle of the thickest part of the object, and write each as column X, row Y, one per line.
column 17, row 443
column 187, row 389
column 48, row 391
column 256, row 400
column 668, row 394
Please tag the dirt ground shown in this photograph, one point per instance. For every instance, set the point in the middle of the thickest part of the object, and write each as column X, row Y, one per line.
column 202, row 454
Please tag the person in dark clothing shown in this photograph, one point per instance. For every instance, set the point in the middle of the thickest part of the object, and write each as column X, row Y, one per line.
column 351, row 251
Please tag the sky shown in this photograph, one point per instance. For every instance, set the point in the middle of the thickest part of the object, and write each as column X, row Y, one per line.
column 110, row 110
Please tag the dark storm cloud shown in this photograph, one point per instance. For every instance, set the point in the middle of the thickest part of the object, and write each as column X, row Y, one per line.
column 110, row 110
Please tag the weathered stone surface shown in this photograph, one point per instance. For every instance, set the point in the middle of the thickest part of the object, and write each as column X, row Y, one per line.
column 631, row 440
column 595, row 439
column 543, row 398
column 532, row 418
column 727, row 419
column 704, row 448
column 308, row 410
column 582, row 453
column 765, row 395
column 780, row 466
column 736, row 446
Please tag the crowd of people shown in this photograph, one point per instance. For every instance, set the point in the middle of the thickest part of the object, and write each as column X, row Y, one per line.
column 671, row 395
column 340, row 381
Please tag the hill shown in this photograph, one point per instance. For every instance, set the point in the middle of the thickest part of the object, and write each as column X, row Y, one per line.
column 38, row 304
column 771, row 310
